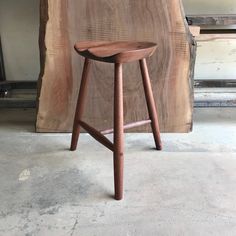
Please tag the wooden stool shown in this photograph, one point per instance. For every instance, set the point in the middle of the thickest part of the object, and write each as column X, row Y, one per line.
column 117, row 53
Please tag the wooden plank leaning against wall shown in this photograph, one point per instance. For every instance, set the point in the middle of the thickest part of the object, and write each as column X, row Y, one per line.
column 171, row 67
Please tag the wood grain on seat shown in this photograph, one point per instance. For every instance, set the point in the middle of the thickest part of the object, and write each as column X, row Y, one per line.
column 115, row 52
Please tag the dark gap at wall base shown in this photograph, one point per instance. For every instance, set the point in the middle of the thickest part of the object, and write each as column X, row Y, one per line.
column 18, row 94
column 215, row 83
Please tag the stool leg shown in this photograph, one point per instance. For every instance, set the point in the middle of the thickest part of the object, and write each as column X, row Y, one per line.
column 151, row 103
column 80, row 104
column 118, row 133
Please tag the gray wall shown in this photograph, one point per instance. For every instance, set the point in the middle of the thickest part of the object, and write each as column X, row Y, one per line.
column 210, row 6
column 19, row 26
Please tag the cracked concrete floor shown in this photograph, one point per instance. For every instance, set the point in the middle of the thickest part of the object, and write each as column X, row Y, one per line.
column 187, row 189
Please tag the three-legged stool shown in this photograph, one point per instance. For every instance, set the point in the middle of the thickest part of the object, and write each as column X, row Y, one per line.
column 117, row 53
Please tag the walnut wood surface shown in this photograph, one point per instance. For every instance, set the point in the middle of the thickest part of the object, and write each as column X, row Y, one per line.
column 171, row 69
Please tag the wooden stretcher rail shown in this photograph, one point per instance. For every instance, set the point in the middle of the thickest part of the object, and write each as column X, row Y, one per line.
column 128, row 126
column 97, row 135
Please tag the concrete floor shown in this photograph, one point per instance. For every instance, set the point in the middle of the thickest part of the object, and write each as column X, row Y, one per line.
column 187, row 189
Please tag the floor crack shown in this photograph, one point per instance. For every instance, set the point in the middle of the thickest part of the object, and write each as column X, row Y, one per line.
column 74, row 227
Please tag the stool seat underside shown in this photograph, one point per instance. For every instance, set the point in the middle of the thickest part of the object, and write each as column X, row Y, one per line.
column 115, row 52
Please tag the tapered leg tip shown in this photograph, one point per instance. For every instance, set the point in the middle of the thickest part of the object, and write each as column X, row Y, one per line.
column 72, row 149
column 118, row 198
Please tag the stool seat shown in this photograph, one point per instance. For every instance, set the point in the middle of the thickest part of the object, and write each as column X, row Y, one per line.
column 115, row 52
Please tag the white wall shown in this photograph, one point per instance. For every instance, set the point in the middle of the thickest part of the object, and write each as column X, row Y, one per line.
column 216, row 60
column 19, row 27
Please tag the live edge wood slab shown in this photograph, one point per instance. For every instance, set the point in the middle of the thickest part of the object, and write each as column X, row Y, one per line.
column 64, row 22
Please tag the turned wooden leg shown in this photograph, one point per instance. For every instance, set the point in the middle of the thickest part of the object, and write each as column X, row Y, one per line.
column 151, row 104
column 80, row 104
column 118, row 133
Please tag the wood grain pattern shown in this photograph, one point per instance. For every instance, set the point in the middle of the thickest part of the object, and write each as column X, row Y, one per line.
column 171, row 68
